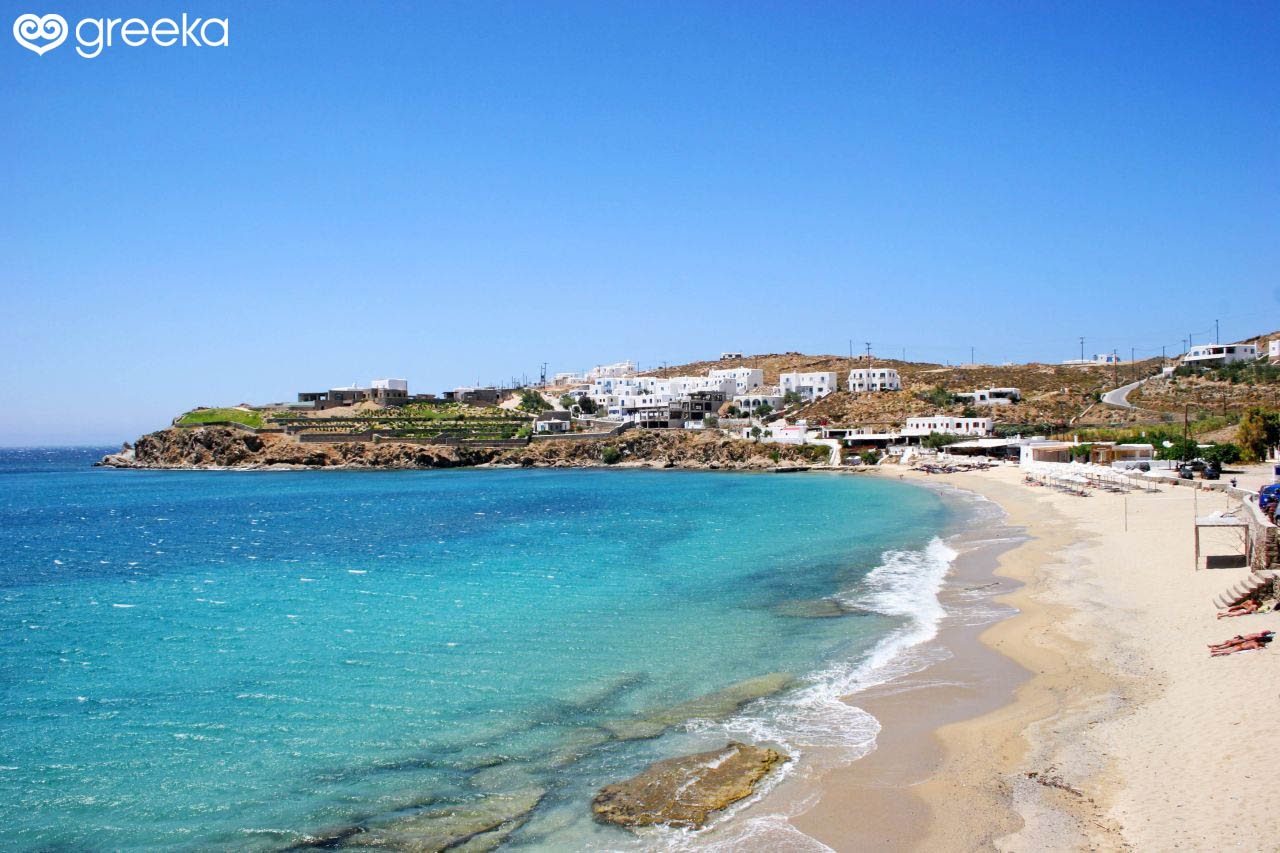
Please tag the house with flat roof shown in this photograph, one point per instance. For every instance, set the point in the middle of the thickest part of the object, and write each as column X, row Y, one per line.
column 868, row 379
column 1216, row 355
column 745, row 379
column 552, row 421
column 991, row 396
column 386, row 392
column 978, row 427
column 810, row 386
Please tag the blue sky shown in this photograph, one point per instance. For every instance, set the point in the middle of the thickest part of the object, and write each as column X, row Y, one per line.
column 459, row 192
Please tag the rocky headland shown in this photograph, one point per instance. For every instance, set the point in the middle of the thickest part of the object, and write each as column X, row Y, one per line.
column 219, row 447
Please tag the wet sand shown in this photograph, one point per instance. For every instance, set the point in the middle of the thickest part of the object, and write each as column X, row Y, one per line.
column 1094, row 718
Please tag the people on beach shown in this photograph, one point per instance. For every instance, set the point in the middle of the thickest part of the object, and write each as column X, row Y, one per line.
column 1241, row 643
column 1244, row 608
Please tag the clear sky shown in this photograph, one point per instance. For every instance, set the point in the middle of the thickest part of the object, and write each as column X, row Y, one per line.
column 460, row 192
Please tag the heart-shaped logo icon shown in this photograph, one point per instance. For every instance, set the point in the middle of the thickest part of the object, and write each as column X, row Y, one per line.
column 50, row 27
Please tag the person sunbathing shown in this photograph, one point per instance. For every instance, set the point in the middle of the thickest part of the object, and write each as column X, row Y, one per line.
column 1244, row 608
column 1247, row 646
column 1263, row 636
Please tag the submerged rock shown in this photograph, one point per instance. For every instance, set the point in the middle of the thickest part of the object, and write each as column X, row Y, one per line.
column 713, row 706
column 684, row 792
column 479, row 826
column 818, row 608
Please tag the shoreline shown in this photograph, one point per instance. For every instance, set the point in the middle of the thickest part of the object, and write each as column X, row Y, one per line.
column 1121, row 733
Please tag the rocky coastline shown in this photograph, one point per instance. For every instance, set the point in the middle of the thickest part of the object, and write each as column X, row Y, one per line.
column 221, row 448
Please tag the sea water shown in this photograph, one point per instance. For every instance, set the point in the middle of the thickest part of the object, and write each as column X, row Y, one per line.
column 263, row 659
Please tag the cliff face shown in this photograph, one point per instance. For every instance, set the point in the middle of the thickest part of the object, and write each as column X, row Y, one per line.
column 223, row 447
column 664, row 449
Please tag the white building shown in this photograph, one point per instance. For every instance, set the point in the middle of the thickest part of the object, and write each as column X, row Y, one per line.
column 568, row 379
column 725, row 356
column 810, row 386
column 621, row 368
column 991, row 396
column 874, row 379
column 1273, row 349
column 945, row 424
column 1219, row 354
column 390, row 385
column 746, row 379
column 1100, row 358
column 761, row 396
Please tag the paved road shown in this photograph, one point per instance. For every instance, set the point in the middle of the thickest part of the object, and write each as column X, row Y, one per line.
column 1120, row 396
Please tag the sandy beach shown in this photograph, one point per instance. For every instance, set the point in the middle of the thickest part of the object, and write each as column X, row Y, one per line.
column 1094, row 718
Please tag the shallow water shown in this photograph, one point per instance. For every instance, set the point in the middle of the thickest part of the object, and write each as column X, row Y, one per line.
column 255, row 659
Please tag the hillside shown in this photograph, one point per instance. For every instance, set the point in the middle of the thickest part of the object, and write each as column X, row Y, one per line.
column 1051, row 392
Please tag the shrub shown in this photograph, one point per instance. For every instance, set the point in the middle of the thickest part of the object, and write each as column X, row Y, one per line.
column 610, row 455
column 936, row 440
column 869, row 457
column 1259, row 431
column 1222, row 454
column 532, row 401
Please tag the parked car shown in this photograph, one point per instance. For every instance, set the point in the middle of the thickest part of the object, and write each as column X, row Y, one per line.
column 1186, row 472
column 1211, row 472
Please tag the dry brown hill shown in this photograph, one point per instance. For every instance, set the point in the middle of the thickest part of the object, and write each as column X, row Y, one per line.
column 1051, row 392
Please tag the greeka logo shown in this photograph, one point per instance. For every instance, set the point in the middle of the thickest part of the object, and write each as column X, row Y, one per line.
column 50, row 27
column 42, row 33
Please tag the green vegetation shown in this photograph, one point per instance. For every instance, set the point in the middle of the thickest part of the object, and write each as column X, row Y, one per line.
column 532, row 401
column 791, row 398
column 1259, row 431
column 938, row 396
column 711, row 421
column 568, row 401
column 1082, row 451
column 587, row 405
column 935, row 440
column 1237, row 373
column 1179, row 449
column 610, row 455
column 239, row 416
column 763, row 410
column 775, row 455
column 869, row 457
column 1222, row 454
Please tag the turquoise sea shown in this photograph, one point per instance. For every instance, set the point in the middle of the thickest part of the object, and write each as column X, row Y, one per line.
column 258, row 660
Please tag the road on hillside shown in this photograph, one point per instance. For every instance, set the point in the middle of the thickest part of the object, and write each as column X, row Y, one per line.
column 1120, row 396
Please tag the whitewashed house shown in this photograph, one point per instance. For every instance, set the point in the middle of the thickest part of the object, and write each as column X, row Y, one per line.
column 621, row 368
column 1216, row 355
column 746, row 379
column 991, row 396
column 761, row 396
column 978, row 427
column 570, row 378
column 1273, row 349
column 866, row 379
column 810, row 386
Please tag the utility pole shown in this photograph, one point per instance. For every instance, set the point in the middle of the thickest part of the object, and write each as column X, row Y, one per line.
column 868, row 385
column 1115, row 364
column 1133, row 367
column 971, row 361
column 542, row 381
column 1082, row 347
column 1162, row 365
column 1215, row 332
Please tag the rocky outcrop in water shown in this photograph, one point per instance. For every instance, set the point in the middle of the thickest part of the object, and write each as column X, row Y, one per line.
column 483, row 825
column 684, row 792
column 225, row 447
column 718, row 705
